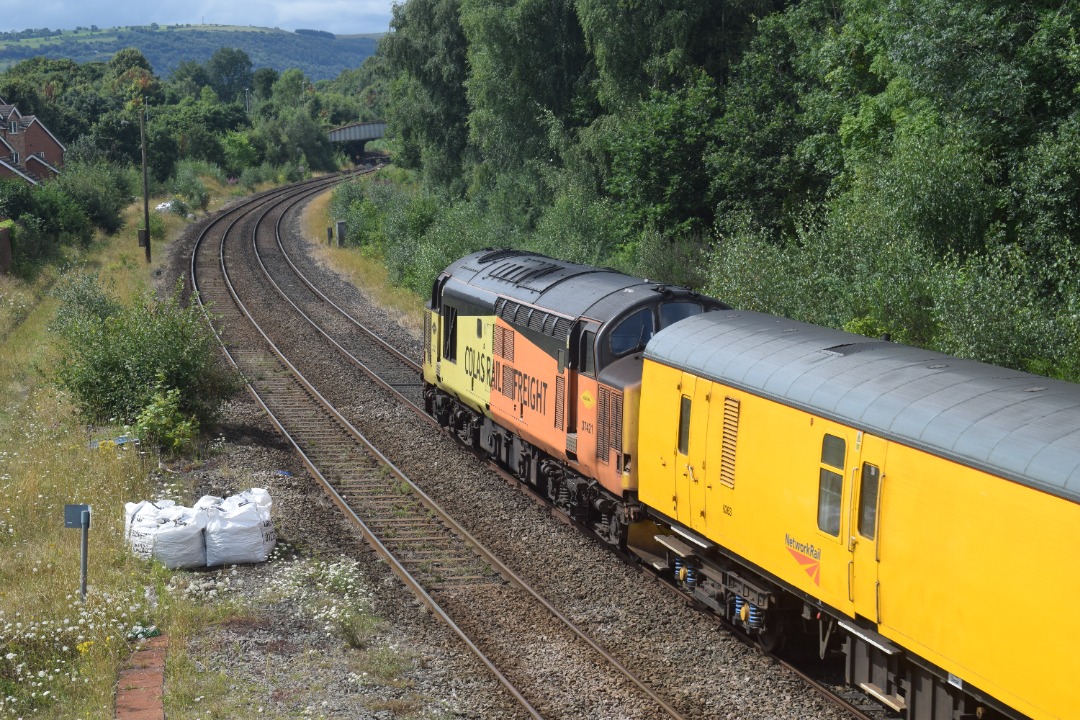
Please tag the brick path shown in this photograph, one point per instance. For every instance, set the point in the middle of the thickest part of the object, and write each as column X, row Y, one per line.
column 142, row 682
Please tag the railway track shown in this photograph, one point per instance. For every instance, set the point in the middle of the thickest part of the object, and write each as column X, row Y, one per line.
column 510, row 627
column 394, row 371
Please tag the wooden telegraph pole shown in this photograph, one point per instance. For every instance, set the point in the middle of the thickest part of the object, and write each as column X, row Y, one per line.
column 144, row 234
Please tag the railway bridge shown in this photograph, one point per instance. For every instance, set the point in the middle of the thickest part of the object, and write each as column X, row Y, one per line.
column 356, row 135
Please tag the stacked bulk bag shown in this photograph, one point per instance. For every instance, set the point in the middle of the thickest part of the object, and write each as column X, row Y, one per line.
column 237, row 529
column 240, row 529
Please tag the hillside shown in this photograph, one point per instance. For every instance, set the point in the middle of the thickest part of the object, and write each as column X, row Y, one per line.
column 320, row 56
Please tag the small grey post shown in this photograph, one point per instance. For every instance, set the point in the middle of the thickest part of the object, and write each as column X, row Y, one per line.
column 329, row 236
column 341, row 233
column 78, row 516
column 84, row 517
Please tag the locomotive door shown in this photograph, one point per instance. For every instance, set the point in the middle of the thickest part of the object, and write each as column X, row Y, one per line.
column 863, row 529
column 581, row 396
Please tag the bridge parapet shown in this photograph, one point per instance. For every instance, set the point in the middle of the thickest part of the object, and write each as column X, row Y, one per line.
column 358, row 132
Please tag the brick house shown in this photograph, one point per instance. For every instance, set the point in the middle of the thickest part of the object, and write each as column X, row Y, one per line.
column 28, row 150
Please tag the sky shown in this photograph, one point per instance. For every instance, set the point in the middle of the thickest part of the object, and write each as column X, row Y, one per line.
column 341, row 17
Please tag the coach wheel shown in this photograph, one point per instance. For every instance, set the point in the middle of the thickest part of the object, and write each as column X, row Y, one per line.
column 771, row 637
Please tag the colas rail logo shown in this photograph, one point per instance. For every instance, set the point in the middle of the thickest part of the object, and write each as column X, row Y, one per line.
column 806, row 555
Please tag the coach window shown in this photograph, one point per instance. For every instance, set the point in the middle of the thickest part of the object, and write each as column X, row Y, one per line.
column 830, row 484
column 684, row 426
column 868, row 495
column 450, row 333
column 632, row 333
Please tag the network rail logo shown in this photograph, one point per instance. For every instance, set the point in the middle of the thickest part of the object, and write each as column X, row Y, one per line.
column 807, row 555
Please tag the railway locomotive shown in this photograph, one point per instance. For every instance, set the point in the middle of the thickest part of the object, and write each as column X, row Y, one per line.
column 914, row 512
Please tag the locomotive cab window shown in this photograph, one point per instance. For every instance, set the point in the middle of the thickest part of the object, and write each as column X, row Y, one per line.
column 586, row 356
column 831, row 484
column 673, row 312
column 632, row 333
column 868, row 497
column 449, row 348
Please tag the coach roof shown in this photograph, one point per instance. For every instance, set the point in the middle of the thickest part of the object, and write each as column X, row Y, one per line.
column 1020, row 426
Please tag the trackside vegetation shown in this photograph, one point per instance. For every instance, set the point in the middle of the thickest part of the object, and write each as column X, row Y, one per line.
column 149, row 363
column 910, row 168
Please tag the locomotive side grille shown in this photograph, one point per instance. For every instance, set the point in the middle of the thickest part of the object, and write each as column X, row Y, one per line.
column 731, row 433
column 537, row 320
column 508, row 381
column 609, row 423
column 562, row 329
column 560, row 402
column 504, row 343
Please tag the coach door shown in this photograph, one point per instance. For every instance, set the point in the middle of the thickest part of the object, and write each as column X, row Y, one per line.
column 693, row 448
column 863, row 528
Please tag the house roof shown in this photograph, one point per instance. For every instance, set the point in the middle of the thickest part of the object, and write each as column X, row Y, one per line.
column 29, row 120
column 19, row 171
column 42, row 161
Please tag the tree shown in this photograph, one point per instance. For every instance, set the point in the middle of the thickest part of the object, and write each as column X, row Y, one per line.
column 428, row 108
column 188, row 79
column 262, row 82
column 229, row 72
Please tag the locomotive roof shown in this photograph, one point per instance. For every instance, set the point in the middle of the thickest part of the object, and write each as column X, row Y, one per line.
column 562, row 287
column 1014, row 424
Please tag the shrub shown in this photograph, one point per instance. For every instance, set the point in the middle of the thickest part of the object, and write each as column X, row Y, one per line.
column 102, row 190
column 190, row 187
column 119, row 357
column 163, row 424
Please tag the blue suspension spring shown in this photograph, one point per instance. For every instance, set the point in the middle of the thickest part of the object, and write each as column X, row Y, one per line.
column 691, row 577
column 739, row 602
column 757, row 618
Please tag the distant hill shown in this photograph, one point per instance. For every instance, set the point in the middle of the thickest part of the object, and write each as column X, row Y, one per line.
column 320, row 55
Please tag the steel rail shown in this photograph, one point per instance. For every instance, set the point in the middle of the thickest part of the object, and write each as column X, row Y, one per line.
column 369, row 535
column 429, row 502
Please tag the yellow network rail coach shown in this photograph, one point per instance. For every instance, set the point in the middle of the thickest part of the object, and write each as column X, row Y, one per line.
column 914, row 512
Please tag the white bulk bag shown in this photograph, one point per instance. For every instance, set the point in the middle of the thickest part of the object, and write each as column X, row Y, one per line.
column 180, row 541
column 208, row 501
column 141, row 525
column 238, row 531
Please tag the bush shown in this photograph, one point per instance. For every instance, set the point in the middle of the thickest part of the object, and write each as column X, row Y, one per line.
column 102, row 190
column 190, row 187
column 163, row 424
column 119, row 358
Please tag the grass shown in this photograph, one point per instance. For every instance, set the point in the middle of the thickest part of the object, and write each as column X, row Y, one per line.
column 358, row 267
column 60, row 655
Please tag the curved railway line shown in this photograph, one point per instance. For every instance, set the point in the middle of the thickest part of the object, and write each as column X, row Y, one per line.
column 266, row 311
column 464, row 584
